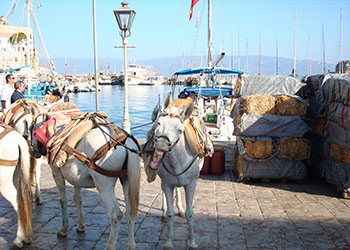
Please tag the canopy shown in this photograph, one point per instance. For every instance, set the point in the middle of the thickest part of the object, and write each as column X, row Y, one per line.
column 208, row 70
column 210, row 91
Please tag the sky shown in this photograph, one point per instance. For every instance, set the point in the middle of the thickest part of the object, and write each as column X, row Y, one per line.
column 162, row 28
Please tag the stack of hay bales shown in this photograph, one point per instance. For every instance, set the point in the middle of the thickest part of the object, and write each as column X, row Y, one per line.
column 269, row 127
column 331, row 150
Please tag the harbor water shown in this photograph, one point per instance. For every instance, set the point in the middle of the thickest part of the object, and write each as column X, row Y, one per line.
column 142, row 100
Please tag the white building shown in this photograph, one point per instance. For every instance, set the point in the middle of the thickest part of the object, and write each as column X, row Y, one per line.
column 14, row 55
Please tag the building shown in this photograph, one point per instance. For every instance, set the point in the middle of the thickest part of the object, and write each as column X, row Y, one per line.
column 14, row 54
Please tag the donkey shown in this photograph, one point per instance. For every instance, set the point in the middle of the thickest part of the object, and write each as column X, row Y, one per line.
column 15, row 181
column 21, row 122
column 80, row 176
column 175, row 162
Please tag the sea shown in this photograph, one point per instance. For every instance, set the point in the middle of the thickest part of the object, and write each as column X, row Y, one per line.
column 142, row 100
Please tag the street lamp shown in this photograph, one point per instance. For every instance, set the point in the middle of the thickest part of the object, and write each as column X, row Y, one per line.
column 125, row 17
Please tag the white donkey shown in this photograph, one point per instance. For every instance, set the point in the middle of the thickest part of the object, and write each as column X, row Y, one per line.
column 21, row 122
column 80, row 176
column 15, row 182
column 176, row 164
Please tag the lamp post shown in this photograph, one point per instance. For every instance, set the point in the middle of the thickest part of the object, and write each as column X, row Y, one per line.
column 125, row 17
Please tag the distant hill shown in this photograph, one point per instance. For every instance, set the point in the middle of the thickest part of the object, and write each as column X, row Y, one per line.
column 168, row 65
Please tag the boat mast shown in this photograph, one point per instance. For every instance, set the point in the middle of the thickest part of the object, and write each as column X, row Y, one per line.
column 247, row 55
column 277, row 55
column 309, row 58
column 323, row 51
column 239, row 47
column 28, row 48
column 209, row 35
column 232, row 57
column 259, row 53
column 295, row 43
column 341, row 41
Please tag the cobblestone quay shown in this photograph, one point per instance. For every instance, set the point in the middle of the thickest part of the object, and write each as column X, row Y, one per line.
column 227, row 215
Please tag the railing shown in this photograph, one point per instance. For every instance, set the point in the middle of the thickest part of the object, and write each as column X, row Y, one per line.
column 35, row 97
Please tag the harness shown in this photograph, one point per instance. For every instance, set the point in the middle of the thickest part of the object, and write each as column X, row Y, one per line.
column 7, row 129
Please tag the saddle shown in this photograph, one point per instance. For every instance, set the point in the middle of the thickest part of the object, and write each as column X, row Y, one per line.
column 23, row 106
column 64, row 140
column 7, row 129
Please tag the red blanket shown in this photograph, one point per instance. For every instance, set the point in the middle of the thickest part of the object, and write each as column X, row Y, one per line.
column 57, row 120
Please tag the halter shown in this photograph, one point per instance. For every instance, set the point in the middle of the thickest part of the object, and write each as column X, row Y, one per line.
column 172, row 115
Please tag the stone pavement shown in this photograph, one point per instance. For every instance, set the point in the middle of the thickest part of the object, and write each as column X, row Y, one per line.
column 227, row 215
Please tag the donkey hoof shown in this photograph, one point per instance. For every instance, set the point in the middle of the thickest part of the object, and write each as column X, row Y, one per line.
column 182, row 214
column 192, row 245
column 81, row 229
column 168, row 245
column 164, row 219
column 62, row 233
column 16, row 244
column 38, row 201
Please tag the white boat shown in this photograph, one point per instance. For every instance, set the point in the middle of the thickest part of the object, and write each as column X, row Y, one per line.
column 155, row 80
column 138, row 73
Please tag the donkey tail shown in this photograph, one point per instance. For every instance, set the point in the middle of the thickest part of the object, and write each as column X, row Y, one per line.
column 134, row 176
column 24, row 191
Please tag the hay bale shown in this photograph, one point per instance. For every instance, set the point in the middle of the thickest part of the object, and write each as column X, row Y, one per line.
column 339, row 154
column 258, row 149
column 258, row 104
column 294, row 148
column 319, row 126
column 288, row 105
column 237, row 86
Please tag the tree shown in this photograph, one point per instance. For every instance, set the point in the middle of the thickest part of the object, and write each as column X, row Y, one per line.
column 17, row 37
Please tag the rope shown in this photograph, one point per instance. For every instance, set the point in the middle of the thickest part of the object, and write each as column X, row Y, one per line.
column 120, row 144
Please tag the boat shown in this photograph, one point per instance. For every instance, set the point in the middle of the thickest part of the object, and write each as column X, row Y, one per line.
column 137, row 74
column 155, row 80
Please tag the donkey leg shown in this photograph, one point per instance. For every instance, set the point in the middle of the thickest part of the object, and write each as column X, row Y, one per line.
column 105, row 188
column 169, row 194
column 61, row 189
column 129, row 219
column 37, row 180
column 9, row 191
column 77, row 200
column 189, row 191
column 164, row 208
column 179, row 206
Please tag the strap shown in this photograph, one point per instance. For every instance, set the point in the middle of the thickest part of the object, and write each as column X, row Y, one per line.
column 7, row 129
column 182, row 171
column 8, row 163
column 90, row 164
column 102, row 151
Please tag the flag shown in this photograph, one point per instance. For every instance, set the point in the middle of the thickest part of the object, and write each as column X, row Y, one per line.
column 12, row 11
column 197, row 19
column 193, row 3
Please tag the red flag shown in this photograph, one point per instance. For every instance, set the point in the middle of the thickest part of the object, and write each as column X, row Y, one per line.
column 192, row 4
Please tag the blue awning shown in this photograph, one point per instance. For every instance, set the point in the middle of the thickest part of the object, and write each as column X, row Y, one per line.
column 207, row 70
column 15, row 69
column 210, row 91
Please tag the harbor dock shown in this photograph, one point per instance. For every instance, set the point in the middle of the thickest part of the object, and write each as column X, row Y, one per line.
column 227, row 215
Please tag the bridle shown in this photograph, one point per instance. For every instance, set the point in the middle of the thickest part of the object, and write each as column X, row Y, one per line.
column 172, row 146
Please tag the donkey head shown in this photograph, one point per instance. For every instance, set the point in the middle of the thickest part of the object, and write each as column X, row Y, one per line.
column 169, row 129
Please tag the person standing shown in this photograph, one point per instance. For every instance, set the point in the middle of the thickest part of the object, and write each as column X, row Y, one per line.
column 6, row 93
column 18, row 93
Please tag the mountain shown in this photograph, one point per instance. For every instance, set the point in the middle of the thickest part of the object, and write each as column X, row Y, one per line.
column 168, row 65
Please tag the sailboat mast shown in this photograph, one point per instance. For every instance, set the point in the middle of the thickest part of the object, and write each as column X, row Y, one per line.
column 323, row 51
column 309, row 57
column 247, row 55
column 277, row 55
column 259, row 53
column 341, row 40
column 239, row 47
column 209, row 35
column 295, row 43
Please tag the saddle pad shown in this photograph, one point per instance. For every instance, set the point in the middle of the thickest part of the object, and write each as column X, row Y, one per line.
column 193, row 129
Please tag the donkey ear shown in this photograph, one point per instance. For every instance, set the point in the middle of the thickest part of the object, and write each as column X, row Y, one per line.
column 187, row 111
column 166, row 107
